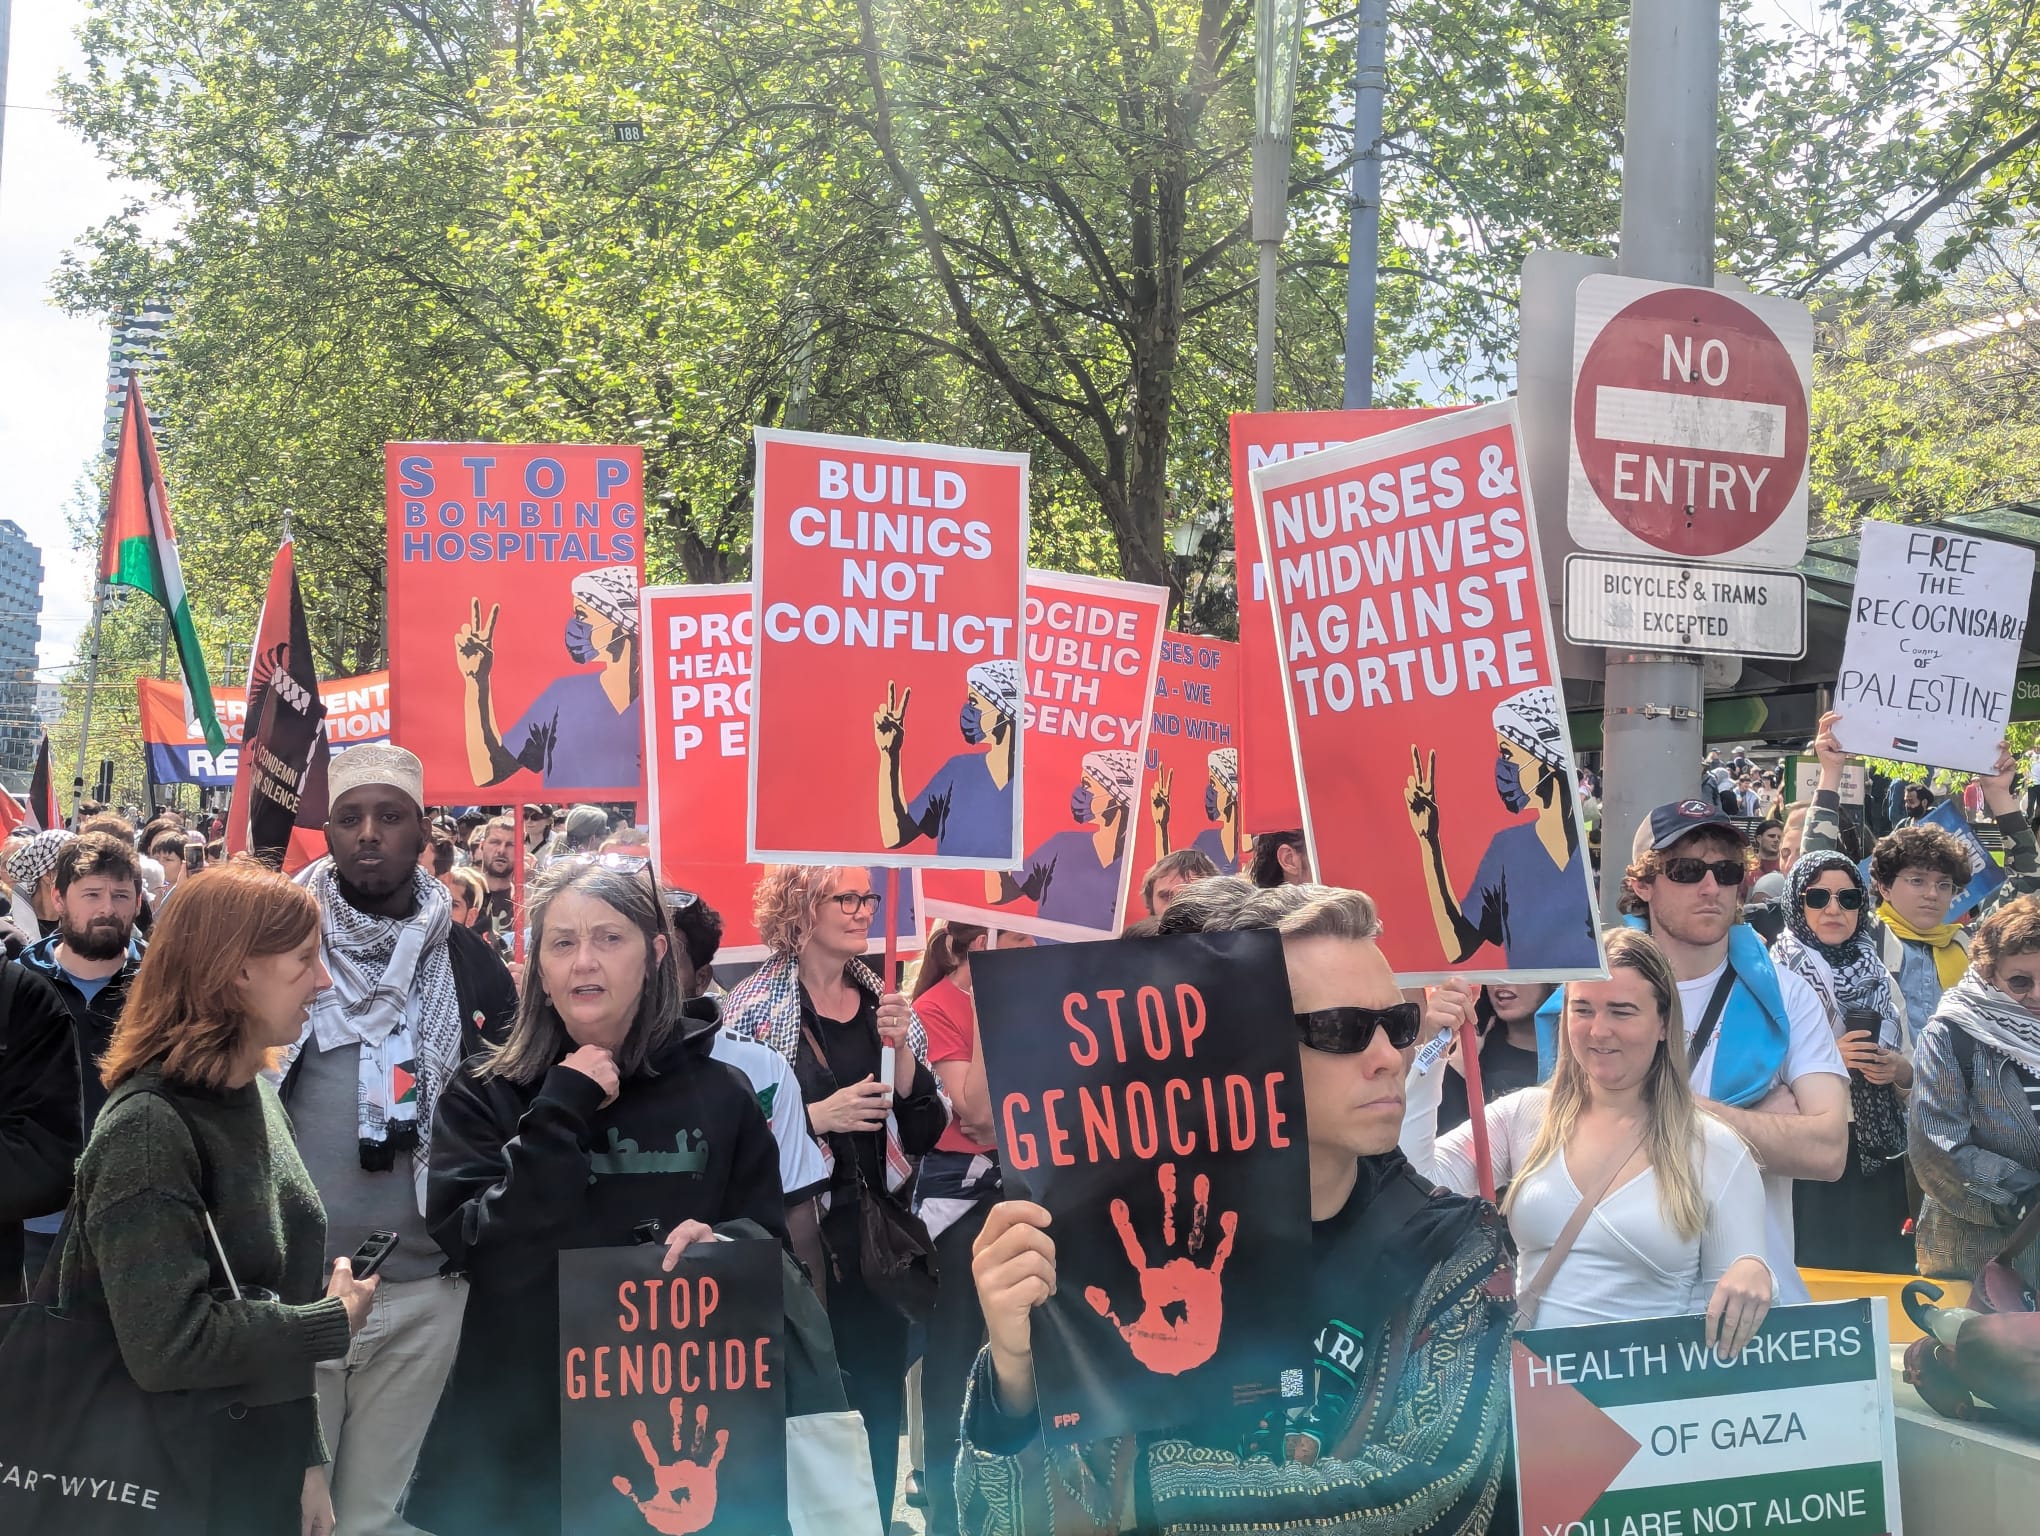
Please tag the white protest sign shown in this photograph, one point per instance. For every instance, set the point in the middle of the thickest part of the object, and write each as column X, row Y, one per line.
column 1935, row 627
column 1639, row 1429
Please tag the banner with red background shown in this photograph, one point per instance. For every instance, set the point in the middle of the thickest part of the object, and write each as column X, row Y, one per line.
column 1092, row 649
column 1424, row 701
column 357, row 712
column 1190, row 789
column 888, row 584
column 550, row 539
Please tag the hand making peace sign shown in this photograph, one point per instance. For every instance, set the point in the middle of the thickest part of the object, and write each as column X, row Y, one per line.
column 889, row 725
column 1421, row 794
column 474, row 647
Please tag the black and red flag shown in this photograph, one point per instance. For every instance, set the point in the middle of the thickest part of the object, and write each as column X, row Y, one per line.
column 42, row 795
column 279, row 808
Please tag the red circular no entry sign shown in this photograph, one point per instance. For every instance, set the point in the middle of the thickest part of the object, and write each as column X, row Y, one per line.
column 1690, row 421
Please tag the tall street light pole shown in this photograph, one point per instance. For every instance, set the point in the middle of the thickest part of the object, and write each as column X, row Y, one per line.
column 1278, row 39
column 1363, row 244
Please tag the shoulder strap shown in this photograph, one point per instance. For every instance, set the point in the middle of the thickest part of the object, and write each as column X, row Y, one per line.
column 205, row 1177
column 1531, row 1294
column 1708, row 1020
column 815, row 1045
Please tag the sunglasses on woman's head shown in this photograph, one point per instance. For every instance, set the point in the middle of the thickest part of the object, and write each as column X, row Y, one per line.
column 1816, row 900
column 1349, row 1031
column 1693, row 871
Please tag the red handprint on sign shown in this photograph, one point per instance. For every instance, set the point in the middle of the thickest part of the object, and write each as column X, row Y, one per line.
column 1182, row 1305
column 683, row 1500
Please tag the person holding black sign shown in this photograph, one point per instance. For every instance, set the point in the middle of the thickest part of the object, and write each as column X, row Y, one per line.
column 821, row 1007
column 1405, row 1423
column 603, row 1120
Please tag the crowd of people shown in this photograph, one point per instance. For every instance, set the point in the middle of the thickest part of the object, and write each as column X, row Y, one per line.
column 1802, row 1055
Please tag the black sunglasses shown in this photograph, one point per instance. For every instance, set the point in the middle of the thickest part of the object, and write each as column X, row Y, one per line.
column 1726, row 872
column 1349, row 1031
column 1816, row 900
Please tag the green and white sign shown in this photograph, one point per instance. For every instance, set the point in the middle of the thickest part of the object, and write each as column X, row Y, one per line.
column 1638, row 1429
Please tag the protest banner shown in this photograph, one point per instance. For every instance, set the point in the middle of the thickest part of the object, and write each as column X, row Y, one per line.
column 1805, row 779
column 357, row 713
column 697, row 690
column 1190, row 779
column 1985, row 873
column 280, row 781
column 1092, row 650
column 1935, row 626
column 1142, row 1097
column 1624, row 1429
column 1268, row 793
column 882, row 572
column 1423, row 697
column 672, row 1397
column 551, row 537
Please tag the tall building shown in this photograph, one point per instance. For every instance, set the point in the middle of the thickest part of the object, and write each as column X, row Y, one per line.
column 21, row 577
column 137, row 343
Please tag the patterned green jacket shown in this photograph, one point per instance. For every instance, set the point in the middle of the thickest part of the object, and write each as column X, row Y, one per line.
column 1430, row 1464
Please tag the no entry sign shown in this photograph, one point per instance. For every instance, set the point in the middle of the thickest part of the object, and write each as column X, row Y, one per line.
column 1689, row 422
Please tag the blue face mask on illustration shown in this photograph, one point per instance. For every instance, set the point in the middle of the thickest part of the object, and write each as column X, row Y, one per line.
column 1509, row 784
column 1080, row 805
column 581, row 639
column 970, row 721
column 1210, row 801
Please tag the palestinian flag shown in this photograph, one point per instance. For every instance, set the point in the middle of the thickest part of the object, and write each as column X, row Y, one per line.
column 140, row 551
column 12, row 814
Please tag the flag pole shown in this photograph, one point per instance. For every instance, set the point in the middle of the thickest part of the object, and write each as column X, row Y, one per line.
column 91, row 692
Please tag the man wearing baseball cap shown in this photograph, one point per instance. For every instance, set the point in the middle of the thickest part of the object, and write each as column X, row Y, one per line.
column 1759, row 1050
column 413, row 996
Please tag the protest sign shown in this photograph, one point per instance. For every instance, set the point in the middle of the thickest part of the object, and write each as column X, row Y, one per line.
column 1624, row 1429
column 1190, row 784
column 697, row 691
column 1985, row 873
column 1143, row 1097
column 1423, row 696
column 543, row 707
column 883, row 572
column 357, row 713
column 672, row 1398
column 1268, row 793
column 1935, row 626
column 1092, row 649
column 1806, row 779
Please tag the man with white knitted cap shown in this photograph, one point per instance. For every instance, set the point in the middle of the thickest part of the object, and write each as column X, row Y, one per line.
column 966, row 808
column 413, row 996
column 583, row 730
column 1530, row 898
column 1073, row 878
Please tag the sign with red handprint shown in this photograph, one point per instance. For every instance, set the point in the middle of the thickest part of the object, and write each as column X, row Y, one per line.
column 1142, row 1095
column 672, row 1412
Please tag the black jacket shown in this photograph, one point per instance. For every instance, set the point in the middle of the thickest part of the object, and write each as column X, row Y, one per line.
column 92, row 1022
column 520, row 1173
column 488, row 998
column 42, row 1129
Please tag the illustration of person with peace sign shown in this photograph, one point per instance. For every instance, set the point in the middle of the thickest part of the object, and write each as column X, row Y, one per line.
column 583, row 731
column 966, row 807
column 1220, row 844
column 1530, row 895
column 1073, row 877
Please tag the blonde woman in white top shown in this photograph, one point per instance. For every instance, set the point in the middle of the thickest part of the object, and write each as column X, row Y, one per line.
column 1682, row 1225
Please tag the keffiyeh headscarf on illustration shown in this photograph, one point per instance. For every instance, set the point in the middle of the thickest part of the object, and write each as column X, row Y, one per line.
column 1117, row 773
column 1534, row 721
column 611, row 591
column 1224, row 766
column 998, row 683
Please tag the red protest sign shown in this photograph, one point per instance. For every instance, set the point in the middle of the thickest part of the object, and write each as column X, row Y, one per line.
column 1268, row 794
column 1092, row 648
column 697, row 691
column 1190, row 789
column 1423, row 697
column 549, row 539
column 888, row 584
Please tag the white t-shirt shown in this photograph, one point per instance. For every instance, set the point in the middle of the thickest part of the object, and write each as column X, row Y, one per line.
column 801, row 1169
column 1628, row 1262
column 1810, row 1049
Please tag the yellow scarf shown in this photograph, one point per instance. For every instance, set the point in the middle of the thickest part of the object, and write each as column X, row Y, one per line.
column 1951, row 960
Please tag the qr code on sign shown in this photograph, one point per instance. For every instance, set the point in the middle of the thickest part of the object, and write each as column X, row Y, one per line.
column 1292, row 1383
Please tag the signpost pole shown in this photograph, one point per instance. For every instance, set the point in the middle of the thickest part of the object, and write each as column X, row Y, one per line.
column 1653, row 702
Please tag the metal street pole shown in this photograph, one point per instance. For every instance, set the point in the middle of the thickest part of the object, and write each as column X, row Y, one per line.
column 1363, row 244
column 6, row 31
column 1278, row 39
column 1652, row 726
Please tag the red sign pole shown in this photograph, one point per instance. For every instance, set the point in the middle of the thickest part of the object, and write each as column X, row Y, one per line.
column 892, row 954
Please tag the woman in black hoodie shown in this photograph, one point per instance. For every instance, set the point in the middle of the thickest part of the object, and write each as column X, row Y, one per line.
column 602, row 1111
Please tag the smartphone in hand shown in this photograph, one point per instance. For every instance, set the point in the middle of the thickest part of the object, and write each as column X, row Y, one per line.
column 368, row 1258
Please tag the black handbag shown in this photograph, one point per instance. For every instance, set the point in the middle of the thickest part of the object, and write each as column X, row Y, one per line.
column 896, row 1256
column 84, row 1451
column 1880, row 1121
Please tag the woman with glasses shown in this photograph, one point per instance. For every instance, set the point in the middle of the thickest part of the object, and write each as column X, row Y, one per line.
column 1975, row 1126
column 1674, row 1206
column 821, row 1007
column 1831, row 943
column 601, row 1121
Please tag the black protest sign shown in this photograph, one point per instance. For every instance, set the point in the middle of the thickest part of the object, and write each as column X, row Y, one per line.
column 672, row 1410
column 1147, row 1092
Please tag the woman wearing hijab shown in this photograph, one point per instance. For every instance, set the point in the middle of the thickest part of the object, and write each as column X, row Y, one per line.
column 1830, row 943
column 1975, row 1142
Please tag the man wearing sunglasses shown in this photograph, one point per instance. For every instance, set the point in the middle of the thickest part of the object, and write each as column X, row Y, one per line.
column 1405, row 1417
column 1760, row 1052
